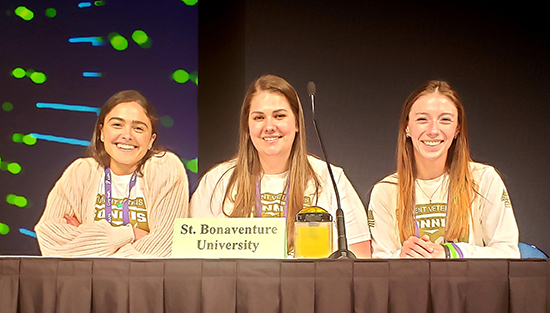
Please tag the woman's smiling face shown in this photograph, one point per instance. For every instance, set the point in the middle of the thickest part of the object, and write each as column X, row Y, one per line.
column 432, row 127
column 272, row 125
column 127, row 135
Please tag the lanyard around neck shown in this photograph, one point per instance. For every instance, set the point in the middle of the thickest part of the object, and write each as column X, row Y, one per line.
column 109, row 199
column 259, row 196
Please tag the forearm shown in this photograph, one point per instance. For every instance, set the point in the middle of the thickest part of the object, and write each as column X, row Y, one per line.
column 497, row 250
column 57, row 238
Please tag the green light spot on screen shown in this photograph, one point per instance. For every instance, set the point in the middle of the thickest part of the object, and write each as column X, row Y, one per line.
column 180, row 76
column 17, row 137
column 18, row 72
column 38, row 77
column 21, row 202
column 118, row 41
column 4, row 229
column 190, row 2
column 17, row 200
column 194, row 77
column 7, row 106
column 147, row 44
column 51, row 12
column 14, row 168
column 140, row 37
column 166, row 121
column 24, row 13
column 29, row 140
column 192, row 165
column 11, row 198
column 99, row 3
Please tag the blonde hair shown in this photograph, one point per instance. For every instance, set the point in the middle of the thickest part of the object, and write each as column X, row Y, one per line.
column 241, row 188
column 461, row 185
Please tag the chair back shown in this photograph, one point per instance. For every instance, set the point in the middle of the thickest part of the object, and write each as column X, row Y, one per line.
column 528, row 251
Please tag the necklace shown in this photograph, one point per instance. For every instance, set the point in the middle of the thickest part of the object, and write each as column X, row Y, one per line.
column 433, row 194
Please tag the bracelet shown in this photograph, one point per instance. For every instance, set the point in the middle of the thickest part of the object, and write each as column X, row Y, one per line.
column 447, row 252
column 453, row 250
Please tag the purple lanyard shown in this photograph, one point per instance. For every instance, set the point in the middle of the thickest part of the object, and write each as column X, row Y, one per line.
column 109, row 201
column 259, row 197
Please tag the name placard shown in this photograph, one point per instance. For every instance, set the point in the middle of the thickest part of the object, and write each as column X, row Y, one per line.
column 229, row 238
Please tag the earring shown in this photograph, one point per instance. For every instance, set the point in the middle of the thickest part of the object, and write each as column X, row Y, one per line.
column 407, row 136
column 102, row 139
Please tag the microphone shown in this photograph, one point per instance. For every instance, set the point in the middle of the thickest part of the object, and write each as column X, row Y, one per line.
column 311, row 91
column 343, row 252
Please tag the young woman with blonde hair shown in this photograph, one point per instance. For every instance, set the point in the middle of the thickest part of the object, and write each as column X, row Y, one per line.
column 440, row 203
column 272, row 174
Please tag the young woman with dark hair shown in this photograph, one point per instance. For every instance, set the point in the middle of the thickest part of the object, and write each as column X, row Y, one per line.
column 121, row 201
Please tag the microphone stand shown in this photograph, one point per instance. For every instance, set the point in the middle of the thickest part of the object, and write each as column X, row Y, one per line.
column 343, row 252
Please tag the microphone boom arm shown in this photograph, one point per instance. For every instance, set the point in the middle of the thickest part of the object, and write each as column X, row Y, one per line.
column 343, row 252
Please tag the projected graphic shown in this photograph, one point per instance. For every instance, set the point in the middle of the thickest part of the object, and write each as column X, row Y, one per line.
column 95, row 41
column 64, row 60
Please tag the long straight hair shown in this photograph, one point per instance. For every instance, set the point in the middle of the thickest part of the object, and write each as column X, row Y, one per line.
column 96, row 149
column 461, row 185
column 241, row 188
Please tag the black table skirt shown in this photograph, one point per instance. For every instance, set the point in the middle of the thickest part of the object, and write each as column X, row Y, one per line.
column 35, row 284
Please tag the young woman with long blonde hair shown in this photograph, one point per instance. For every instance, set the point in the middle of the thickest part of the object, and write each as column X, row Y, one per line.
column 272, row 174
column 440, row 203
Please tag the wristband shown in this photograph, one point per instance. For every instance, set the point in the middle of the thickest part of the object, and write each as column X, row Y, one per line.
column 447, row 252
column 454, row 251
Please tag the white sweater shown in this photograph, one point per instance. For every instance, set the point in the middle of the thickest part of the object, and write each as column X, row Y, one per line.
column 493, row 230
column 164, row 186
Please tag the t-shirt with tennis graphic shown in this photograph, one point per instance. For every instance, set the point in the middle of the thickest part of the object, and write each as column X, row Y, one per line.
column 119, row 188
column 493, row 232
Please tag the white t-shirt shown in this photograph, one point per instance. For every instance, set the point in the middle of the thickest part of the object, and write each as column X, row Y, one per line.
column 208, row 198
column 493, row 232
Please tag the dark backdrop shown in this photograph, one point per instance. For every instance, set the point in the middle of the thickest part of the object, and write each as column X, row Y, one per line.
column 365, row 59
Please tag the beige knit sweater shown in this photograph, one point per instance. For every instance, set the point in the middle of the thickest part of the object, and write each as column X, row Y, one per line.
column 165, row 189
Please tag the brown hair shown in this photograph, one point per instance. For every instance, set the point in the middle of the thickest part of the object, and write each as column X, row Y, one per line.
column 96, row 149
column 461, row 186
column 247, row 163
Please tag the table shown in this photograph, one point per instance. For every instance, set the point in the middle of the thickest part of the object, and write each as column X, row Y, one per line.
column 40, row 284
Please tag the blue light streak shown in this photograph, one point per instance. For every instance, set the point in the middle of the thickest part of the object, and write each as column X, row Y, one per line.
column 27, row 232
column 84, row 5
column 67, row 107
column 95, row 41
column 70, row 141
column 91, row 74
